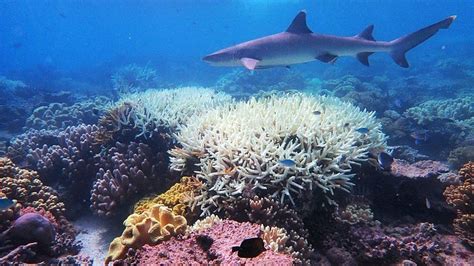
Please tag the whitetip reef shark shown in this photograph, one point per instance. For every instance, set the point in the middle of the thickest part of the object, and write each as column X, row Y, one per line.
column 298, row 44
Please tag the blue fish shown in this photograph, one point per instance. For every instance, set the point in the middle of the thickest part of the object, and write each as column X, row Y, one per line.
column 6, row 203
column 420, row 136
column 385, row 160
column 287, row 163
column 363, row 130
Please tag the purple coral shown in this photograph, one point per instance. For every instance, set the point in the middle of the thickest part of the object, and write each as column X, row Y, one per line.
column 126, row 170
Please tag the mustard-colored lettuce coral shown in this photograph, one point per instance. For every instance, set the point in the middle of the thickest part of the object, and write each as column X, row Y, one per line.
column 177, row 198
column 238, row 147
column 152, row 226
column 461, row 197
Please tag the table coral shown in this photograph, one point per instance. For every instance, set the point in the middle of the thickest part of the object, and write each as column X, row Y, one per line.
column 224, row 234
column 461, row 197
column 238, row 147
column 151, row 227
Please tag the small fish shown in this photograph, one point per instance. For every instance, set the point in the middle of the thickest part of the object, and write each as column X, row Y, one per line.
column 420, row 136
column 363, row 130
column 397, row 103
column 6, row 203
column 427, row 203
column 287, row 163
column 385, row 160
column 346, row 125
column 250, row 248
column 316, row 112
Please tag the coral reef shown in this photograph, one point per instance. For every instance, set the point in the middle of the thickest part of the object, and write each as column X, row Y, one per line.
column 26, row 187
column 223, row 235
column 155, row 109
column 238, row 148
column 178, row 198
column 151, row 227
column 461, row 155
column 133, row 78
column 37, row 206
column 124, row 171
column 243, row 84
column 433, row 111
column 271, row 214
column 421, row 169
column 461, row 197
column 61, row 115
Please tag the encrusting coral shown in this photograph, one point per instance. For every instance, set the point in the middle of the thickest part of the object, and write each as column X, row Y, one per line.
column 461, row 197
column 151, row 227
column 239, row 147
column 212, row 245
column 177, row 198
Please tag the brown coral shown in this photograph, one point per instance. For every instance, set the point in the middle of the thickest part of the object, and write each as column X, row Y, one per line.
column 151, row 227
column 177, row 198
column 112, row 122
column 461, row 197
column 26, row 187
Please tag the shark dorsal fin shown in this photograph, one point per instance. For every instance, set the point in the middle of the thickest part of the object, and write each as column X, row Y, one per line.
column 298, row 25
column 366, row 34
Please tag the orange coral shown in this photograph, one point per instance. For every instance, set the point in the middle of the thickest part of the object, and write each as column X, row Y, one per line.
column 461, row 197
column 26, row 188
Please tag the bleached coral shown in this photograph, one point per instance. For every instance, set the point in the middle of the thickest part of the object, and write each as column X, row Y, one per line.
column 238, row 147
column 170, row 107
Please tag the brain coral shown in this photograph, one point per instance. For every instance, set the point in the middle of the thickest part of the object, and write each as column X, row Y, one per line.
column 169, row 108
column 150, row 227
column 461, row 197
column 238, row 147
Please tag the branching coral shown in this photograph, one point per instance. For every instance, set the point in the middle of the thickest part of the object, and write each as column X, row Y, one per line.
column 125, row 170
column 151, row 227
column 177, row 198
column 461, row 197
column 153, row 109
column 239, row 147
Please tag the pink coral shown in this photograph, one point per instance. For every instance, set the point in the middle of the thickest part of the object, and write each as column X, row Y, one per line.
column 224, row 234
column 421, row 169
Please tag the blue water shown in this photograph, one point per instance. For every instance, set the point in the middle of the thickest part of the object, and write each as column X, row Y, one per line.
column 78, row 35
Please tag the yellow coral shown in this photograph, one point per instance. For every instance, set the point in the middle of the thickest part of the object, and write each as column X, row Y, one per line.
column 178, row 197
column 26, row 187
column 461, row 197
column 152, row 226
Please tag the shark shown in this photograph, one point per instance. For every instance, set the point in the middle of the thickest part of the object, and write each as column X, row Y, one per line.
column 298, row 44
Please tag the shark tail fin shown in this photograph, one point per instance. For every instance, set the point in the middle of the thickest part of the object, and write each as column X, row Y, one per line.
column 403, row 44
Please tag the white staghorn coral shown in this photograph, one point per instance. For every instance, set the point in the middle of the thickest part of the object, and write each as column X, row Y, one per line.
column 170, row 107
column 239, row 146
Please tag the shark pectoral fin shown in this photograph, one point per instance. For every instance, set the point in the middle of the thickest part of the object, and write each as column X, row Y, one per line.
column 364, row 58
column 249, row 63
column 327, row 58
